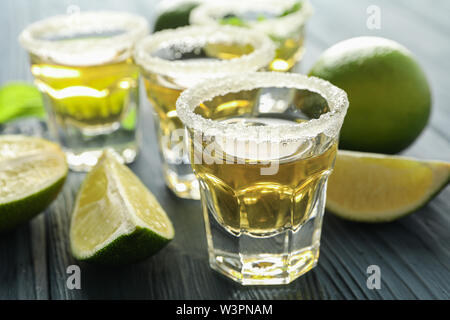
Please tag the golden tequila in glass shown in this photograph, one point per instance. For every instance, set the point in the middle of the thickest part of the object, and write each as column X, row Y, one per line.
column 174, row 60
column 82, row 64
column 263, row 175
column 243, row 199
column 284, row 21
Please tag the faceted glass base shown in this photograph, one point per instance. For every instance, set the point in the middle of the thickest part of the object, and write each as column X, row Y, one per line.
column 265, row 269
column 83, row 161
column 279, row 258
column 85, row 145
column 181, row 181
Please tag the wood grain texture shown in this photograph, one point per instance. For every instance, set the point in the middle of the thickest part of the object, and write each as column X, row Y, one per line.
column 413, row 253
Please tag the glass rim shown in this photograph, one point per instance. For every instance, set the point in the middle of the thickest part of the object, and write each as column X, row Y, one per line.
column 32, row 38
column 329, row 123
column 260, row 57
column 206, row 14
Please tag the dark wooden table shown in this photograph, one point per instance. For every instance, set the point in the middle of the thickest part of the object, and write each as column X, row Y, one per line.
column 413, row 253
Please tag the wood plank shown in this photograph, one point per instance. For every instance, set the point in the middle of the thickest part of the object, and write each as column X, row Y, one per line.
column 16, row 266
column 58, row 246
column 39, row 257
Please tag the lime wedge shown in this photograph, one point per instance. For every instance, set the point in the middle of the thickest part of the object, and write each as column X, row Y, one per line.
column 116, row 220
column 32, row 172
column 374, row 188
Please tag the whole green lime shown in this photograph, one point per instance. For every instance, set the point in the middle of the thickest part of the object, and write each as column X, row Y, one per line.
column 176, row 16
column 390, row 98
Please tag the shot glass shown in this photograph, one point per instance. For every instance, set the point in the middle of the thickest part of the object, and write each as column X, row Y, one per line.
column 82, row 63
column 174, row 60
column 263, row 176
column 283, row 20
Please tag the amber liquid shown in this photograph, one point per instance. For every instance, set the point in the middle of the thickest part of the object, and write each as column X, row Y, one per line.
column 91, row 97
column 245, row 200
column 87, row 97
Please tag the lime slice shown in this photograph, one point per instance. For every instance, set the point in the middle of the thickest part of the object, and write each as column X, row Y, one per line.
column 368, row 187
column 32, row 172
column 116, row 220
